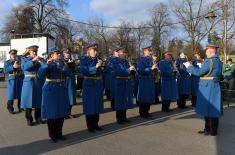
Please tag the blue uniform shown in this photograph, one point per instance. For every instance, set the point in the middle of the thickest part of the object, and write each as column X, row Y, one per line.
column 195, row 80
column 92, row 86
column 55, row 101
column 122, row 85
column 71, row 82
column 169, row 90
column 112, row 76
column 31, row 95
column 15, row 80
column 146, row 86
column 184, row 79
column 209, row 101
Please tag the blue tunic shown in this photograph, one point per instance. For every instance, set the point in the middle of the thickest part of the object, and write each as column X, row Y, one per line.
column 195, row 81
column 184, row 79
column 107, row 76
column 112, row 76
column 15, row 80
column 92, row 95
column 123, row 86
column 209, row 101
column 31, row 96
column 55, row 101
column 169, row 90
column 71, row 82
column 146, row 85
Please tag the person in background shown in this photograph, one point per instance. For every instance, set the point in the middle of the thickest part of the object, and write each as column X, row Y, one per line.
column 183, row 80
column 71, row 79
column 157, row 78
column 169, row 90
column 229, row 75
column 12, row 67
column 196, row 62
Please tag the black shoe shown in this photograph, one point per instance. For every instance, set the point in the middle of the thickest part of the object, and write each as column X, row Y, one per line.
column 120, row 122
column 98, row 128
column 203, row 132
column 127, row 121
column 53, row 140
column 63, row 138
column 68, row 117
column 213, row 134
column 91, row 130
column 30, row 123
column 167, row 110
column 11, row 111
column 19, row 110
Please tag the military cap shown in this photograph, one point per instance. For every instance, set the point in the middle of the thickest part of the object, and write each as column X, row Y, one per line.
column 92, row 46
column 147, row 47
column 212, row 45
column 32, row 47
column 230, row 59
column 182, row 51
column 45, row 53
column 118, row 49
column 66, row 50
column 167, row 53
column 52, row 50
column 13, row 51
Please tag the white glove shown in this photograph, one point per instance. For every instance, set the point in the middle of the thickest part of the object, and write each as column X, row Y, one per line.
column 200, row 65
column 154, row 67
column 132, row 68
column 187, row 64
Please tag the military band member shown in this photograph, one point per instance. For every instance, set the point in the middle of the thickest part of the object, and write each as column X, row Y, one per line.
column 31, row 96
column 92, row 95
column 183, row 80
column 169, row 90
column 12, row 67
column 112, row 76
column 55, row 99
column 196, row 62
column 157, row 78
column 107, row 75
column 70, row 80
column 146, row 87
column 209, row 102
column 123, row 86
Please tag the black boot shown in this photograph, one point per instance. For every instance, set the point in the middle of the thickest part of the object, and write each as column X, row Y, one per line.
column 10, row 107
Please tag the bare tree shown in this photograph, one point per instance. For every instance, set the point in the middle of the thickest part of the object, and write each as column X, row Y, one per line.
column 46, row 13
column 141, row 36
column 226, row 27
column 191, row 16
column 160, row 21
column 20, row 20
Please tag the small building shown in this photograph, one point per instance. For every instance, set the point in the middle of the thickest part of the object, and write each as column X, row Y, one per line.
column 4, row 49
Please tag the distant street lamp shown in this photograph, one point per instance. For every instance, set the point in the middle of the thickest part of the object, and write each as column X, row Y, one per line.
column 12, row 32
column 211, row 17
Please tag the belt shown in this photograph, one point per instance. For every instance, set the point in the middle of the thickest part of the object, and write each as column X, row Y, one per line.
column 93, row 77
column 15, row 74
column 30, row 75
column 54, row 80
column 208, row 78
column 123, row 77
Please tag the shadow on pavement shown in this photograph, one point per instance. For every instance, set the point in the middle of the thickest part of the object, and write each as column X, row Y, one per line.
column 43, row 146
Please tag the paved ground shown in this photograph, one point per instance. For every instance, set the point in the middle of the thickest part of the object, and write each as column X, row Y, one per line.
column 167, row 134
